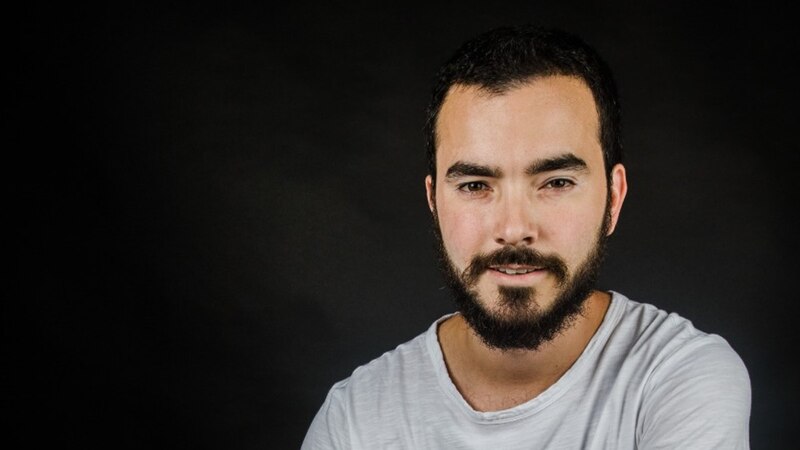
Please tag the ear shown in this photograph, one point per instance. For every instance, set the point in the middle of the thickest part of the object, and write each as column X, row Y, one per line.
column 430, row 193
column 619, row 188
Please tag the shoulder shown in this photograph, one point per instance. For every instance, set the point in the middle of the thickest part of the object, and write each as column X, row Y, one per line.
column 646, row 333
column 370, row 396
column 696, row 391
column 393, row 370
column 700, row 394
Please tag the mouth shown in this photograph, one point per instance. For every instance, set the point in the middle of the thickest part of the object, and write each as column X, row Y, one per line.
column 514, row 269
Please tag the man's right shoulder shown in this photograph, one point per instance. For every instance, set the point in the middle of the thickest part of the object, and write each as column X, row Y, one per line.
column 376, row 394
column 393, row 371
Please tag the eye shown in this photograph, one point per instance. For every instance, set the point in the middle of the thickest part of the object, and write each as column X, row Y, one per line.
column 473, row 187
column 559, row 183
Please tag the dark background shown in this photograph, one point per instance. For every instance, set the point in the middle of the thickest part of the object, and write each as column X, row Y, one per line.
column 221, row 209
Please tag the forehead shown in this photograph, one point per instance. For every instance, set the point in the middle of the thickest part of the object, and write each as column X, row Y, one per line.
column 545, row 117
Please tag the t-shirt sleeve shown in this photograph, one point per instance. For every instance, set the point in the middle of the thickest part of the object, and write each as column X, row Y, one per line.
column 698, row 398
column 329, row 429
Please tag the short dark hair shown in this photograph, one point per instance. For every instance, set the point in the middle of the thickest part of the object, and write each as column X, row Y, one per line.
column 504, row 58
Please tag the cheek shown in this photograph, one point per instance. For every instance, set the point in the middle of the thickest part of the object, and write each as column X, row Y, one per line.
column 571, row 231
column 462, row 233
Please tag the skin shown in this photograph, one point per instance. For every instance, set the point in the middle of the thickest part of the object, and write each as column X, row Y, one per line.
column 556, row 211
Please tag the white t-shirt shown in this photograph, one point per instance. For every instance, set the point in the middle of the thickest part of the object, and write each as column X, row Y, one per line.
column 646, row 380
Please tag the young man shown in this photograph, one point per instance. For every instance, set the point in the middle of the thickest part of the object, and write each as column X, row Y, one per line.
column 526, row 185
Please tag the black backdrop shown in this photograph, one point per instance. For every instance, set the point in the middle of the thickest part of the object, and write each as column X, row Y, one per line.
column 221, row 209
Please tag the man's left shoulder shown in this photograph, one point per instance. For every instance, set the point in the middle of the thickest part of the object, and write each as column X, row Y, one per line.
column 697, row 389
column 700, row 394
column 666, row 336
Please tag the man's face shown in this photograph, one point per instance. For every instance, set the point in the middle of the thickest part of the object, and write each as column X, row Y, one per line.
column 522, row 206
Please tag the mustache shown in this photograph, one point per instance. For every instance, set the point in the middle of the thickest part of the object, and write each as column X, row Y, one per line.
column 514, row 255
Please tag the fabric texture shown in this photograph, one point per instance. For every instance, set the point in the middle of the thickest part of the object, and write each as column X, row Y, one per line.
column 646, row 380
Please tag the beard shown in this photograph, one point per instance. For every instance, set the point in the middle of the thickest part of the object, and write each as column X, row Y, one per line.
column 518, row 323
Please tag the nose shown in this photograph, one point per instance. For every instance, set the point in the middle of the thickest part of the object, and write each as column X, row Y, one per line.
column 514, row 221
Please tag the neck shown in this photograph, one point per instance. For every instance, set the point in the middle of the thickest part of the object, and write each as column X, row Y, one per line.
column 493, row 379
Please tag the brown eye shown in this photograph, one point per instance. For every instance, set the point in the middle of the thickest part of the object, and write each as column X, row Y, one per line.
column 473, row 186
column 559, row 183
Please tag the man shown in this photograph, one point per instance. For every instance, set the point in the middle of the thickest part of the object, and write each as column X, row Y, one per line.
column 525, row 186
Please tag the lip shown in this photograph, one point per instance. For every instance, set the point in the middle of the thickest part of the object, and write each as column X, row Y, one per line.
column 525, row 279
column 515, row 267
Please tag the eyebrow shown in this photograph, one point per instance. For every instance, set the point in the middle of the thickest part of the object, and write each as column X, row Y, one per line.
column 566, row 161
column 466, row 169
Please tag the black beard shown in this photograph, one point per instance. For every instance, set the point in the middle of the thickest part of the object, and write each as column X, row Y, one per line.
column 519, row 323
